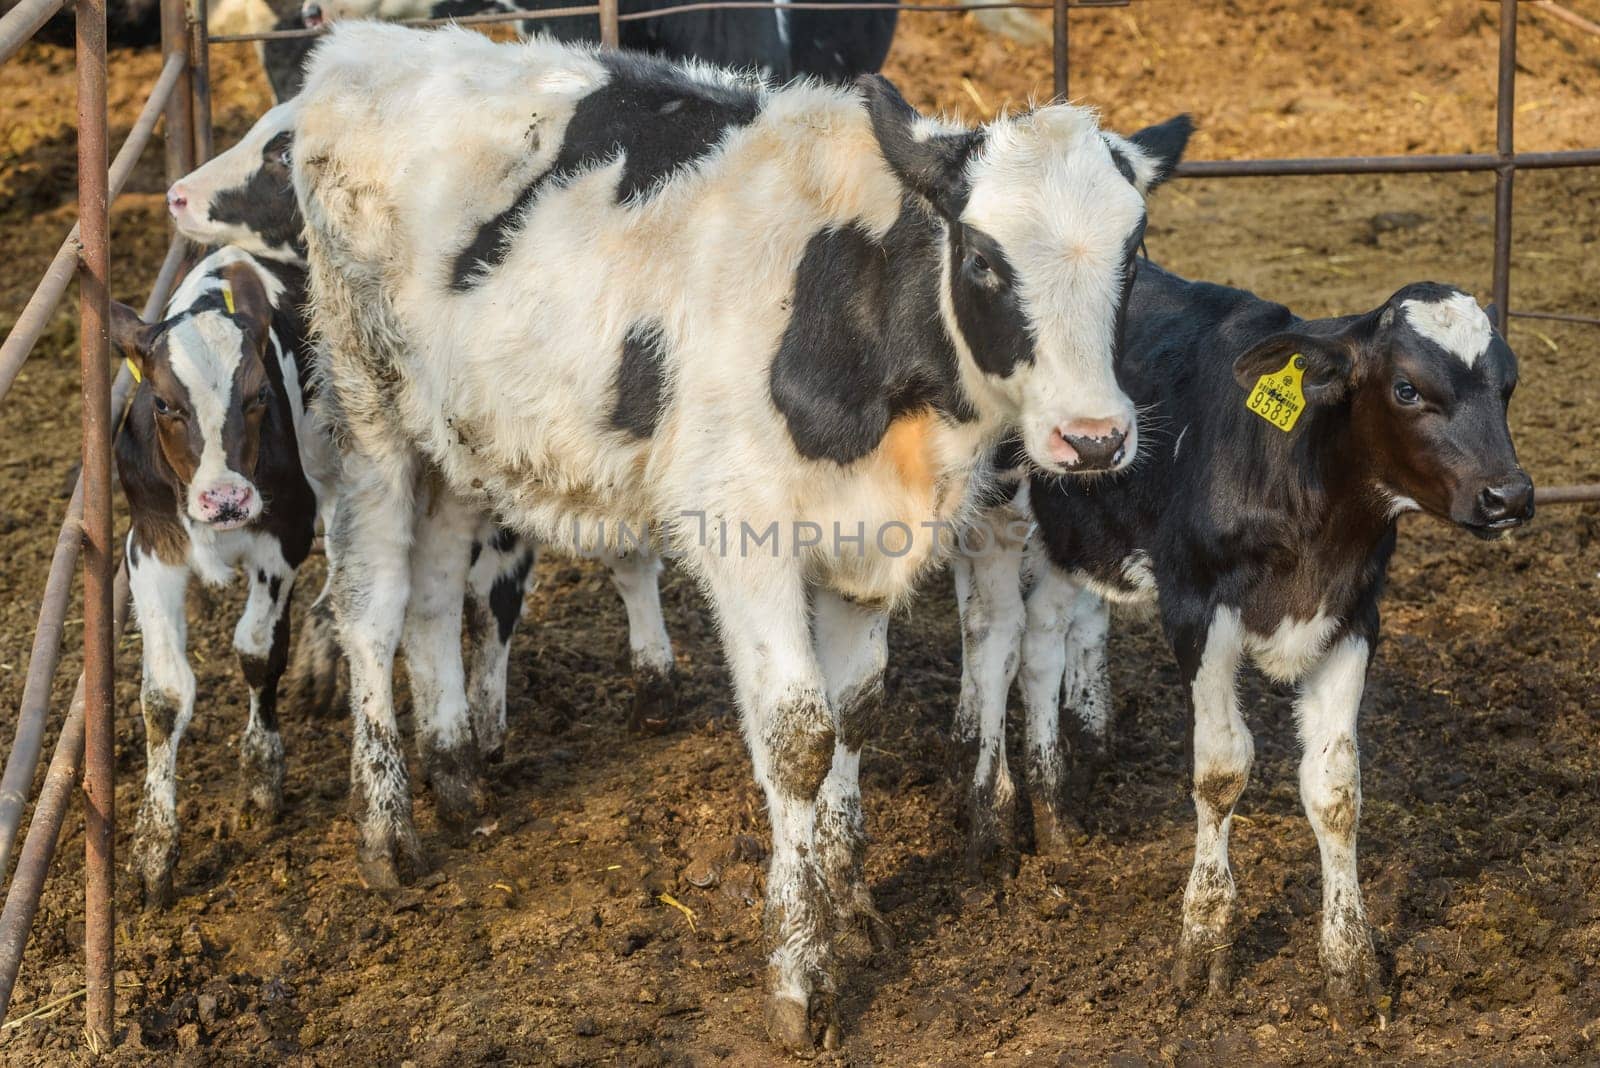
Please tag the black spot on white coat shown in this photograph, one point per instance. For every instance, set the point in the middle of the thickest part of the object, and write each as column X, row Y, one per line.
column 650, row 115
column 639, row 381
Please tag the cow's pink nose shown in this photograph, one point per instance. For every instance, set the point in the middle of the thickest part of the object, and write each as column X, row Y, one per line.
column 177, row 199
column 1089, row 444
column 226, row 502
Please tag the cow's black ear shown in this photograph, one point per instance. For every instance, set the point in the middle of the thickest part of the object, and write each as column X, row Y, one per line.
column 130, row 336
column 929, row 162
column 1162, row 146
column 1328, row 374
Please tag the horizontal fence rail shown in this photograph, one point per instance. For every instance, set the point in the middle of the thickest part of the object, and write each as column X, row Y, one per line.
column 58, row 276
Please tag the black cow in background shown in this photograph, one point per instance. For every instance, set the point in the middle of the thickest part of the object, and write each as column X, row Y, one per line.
column 832, row 45
column 129, row 23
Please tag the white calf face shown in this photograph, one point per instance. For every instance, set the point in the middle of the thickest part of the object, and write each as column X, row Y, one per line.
column 205, row 378
column 1044, row 213
column 245, row 196
column 1040, row 262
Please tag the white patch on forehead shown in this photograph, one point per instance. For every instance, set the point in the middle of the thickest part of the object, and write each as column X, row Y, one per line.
column 205, row 278
column 204, row 352
column 1456, row 324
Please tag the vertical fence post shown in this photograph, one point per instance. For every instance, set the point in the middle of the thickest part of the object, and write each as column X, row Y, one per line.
column 1059, row 33
column 1506, row 172
column 180, row 106
column 200, row 73
column 609, row 27
column 98, row 642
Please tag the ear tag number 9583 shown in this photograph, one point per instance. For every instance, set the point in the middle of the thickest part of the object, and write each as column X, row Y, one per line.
column 1277, row 396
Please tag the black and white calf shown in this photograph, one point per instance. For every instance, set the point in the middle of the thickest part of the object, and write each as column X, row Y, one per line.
column 785, row 326
column 1262, row 524
column 220, row 475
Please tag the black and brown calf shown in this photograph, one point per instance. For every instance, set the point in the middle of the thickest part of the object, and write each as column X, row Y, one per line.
column 211, row 460
column 1261, row 523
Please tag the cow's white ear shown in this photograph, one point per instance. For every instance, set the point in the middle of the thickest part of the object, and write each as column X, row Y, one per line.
column 130, row 336
column 1160, row 147
column 1328, row 370
column 930, row 161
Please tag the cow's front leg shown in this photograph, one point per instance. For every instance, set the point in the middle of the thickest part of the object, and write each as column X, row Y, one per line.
column 370, row 554
column 261, row 640
column 762, row 607
column 1223, row 752
column 1330, row 789
column 440, row 557
column 637, row 576
column 497, row 587
column 166, row 694
column 852, row 646
column 989, row 592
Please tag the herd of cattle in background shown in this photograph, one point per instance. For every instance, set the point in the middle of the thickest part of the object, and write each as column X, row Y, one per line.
column 467, row 297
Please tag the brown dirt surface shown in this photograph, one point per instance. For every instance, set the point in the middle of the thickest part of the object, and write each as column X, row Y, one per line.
column 547, row 941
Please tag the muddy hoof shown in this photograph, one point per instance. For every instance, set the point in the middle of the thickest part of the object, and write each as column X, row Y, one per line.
column 252, row 811
column 378, row 871
column 789, row 1025
column 655, row 700
column 1204, row 966
column 1351, row 988
column 387, row 870
column 154, row 859
column 155, row 891
column 1053, row 831
column 455, row 778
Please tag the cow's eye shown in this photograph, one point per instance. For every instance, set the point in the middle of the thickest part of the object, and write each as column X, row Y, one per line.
column 170, row 411
column 283, row 157
column 980, row 264
column 1406, row 393
column 263, row 395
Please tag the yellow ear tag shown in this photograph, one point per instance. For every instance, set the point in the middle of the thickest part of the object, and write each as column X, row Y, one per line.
column 133, row 369
column 1277, row 397
column 227, row 297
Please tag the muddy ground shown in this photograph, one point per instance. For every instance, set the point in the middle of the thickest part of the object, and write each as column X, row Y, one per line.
column 546, row 941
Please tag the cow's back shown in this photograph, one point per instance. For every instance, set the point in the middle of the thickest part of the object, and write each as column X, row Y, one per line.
column 509, row 242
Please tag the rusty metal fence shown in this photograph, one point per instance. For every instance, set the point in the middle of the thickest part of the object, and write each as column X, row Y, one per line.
column 181, row 99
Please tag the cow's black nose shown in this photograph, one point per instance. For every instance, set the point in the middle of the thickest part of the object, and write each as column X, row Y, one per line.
column 1096, row 453
column 1509, row 500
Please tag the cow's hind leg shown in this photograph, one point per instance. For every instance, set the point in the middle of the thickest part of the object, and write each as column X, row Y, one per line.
column 636, row 574
column 1050, row 605
column 497, row 586
column 989, row 592
column 370, row 550
column 852, row 645
column 261, row 640
column 440, row 556
column 1063, row 666
column 1223, row 752
column 765, row 622
column 1330, row 789
column 166, row 694
column 312, row 683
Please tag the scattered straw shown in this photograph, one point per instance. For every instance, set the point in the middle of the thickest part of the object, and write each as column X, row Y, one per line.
column 48, row 1009
column 688, row 913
